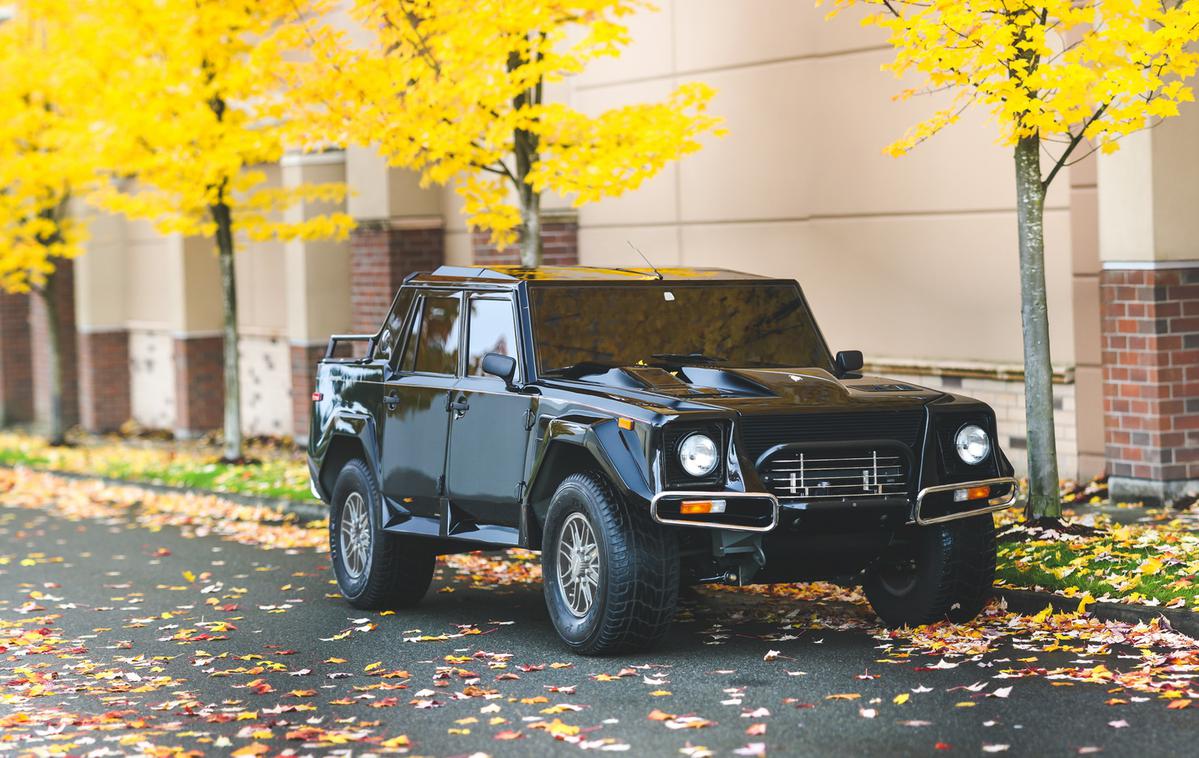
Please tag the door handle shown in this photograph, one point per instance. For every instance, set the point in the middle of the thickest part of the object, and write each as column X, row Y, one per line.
column 391, row 401
column 459, row 406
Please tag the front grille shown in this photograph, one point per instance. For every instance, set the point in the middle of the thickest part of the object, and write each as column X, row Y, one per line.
column 836, row 473
column 760, row 433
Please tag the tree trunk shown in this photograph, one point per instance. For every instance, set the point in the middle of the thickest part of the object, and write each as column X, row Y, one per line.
column 530, row 200
column 224, row 241
column 530, row 227
column 1044, row 500
column 49, row 294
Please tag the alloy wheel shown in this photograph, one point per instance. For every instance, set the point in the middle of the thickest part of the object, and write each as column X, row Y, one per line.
column 578, row 564
column 355, row 535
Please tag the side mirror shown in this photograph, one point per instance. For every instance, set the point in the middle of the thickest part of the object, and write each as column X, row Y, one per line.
column 849, row 361
column 503, row 366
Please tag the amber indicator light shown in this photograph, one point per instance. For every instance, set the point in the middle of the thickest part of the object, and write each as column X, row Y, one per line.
column 701, row 507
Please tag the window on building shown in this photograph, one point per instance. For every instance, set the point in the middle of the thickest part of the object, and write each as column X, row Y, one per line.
column 492, row 330
column 437, row 342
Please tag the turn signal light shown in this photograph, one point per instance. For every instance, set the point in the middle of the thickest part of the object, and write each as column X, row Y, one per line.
column 701, row 507
column 971, row 493
column 625, row 423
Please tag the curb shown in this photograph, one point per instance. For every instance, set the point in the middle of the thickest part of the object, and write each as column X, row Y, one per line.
column 1029, row 602
column 305, row 511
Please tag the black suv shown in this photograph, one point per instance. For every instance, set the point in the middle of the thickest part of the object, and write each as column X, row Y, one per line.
column 645, row 429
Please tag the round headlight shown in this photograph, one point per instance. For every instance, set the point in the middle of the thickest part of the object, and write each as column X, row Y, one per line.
column 972, row 443
column 698, row 454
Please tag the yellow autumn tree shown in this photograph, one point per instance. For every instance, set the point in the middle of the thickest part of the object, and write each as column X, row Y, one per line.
column 45, row 159
column 1059, row 78
column 455, row 89
column 191, row 111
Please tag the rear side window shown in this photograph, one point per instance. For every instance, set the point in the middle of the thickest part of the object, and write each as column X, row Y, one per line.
column 438, row 339
column 492, row 330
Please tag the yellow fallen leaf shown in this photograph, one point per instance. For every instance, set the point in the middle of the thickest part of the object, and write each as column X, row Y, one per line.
column 901, row 698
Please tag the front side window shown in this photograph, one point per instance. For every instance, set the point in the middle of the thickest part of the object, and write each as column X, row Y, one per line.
column 492, row 330
column 438, row 339
column 392, row 333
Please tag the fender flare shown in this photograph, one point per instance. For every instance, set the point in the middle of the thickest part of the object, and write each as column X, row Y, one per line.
column 343, row 426
column 617, row 452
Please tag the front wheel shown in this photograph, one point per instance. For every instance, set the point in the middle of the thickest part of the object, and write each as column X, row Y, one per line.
column 611, row 574
column 944, row 571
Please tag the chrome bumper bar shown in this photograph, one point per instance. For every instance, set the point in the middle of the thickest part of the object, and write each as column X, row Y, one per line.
column 709, row 495
column 1000, row 503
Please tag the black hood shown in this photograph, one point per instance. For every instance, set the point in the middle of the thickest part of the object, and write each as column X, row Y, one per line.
column 750, row 390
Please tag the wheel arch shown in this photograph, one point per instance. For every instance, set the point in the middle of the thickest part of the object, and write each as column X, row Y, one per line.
column 574, row 446
column 350, row 437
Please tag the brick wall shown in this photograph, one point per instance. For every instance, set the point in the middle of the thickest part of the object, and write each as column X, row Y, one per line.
column 62, row 293
column 16, row 372
column 103, row 380
column 1006, row 397
column 1151, row 380
column 381, row 255
column 559, row 245
column 303, row 381
column 199, row 385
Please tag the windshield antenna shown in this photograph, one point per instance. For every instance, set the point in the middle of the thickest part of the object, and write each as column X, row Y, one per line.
column 654, row 268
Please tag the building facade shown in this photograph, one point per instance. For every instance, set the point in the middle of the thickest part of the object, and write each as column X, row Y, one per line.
column 912, row 260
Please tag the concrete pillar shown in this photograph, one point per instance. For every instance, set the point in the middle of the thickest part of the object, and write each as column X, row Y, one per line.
column 102, row 337
column 400, row 230
column 1149, row 246
column 198, row 344
column 318, row 285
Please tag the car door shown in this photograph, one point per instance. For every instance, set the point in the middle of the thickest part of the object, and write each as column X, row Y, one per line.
column 416, row 414
column 489, row 427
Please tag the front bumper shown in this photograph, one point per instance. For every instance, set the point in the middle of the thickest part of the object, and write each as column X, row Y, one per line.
column 998, row 503
column 760, row 508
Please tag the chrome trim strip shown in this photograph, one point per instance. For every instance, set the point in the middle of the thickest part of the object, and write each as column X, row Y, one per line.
column 993, row 504
column 714, row 495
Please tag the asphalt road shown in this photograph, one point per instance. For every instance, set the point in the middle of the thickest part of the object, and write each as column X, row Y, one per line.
column 115, row 638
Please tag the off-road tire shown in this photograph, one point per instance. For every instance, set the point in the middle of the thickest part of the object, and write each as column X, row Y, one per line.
column 954, row 573
column 638, row 586
column 398, row 569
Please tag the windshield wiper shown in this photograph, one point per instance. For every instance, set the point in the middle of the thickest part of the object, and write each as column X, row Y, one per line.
column 684, row 358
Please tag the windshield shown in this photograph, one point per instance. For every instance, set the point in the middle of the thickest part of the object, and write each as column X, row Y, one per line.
column 750, row 325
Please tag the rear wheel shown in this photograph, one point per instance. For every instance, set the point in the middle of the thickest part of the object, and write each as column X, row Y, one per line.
column 944, row 571
column 374, row 569
column 611, row 574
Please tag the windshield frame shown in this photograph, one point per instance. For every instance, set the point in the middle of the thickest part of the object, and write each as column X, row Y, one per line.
column 535, row 370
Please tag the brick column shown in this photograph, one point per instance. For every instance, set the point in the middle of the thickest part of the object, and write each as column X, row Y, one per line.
column 1151, row 380
column 559, row 244
column 199, row 385
column 303, row 381
column 103, row 380
column 16, row 373
column 62, row 285
column 381, row 254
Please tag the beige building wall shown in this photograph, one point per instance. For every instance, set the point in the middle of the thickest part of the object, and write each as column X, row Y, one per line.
column 912, row 260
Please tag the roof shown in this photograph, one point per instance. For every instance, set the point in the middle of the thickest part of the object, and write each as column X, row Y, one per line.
column 514, row 274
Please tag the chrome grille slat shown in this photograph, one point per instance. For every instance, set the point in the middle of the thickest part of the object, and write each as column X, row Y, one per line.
column 824, row 474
